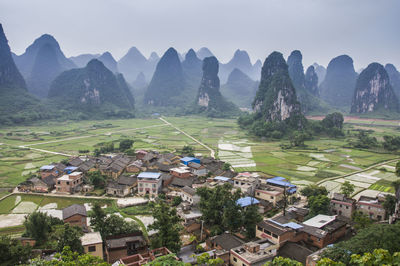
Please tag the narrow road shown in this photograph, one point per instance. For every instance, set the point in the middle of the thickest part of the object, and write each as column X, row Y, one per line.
column 212, row 152
column 358, row 172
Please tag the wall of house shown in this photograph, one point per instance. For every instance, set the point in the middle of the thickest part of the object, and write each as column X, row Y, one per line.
column 265, row 195
column 153, row 187
column 98, row 252
column 342, row 208
column 77, row 220
column 116, row 254
column 375, row 213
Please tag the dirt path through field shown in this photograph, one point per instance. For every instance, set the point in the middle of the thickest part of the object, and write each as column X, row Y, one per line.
column 212, row 152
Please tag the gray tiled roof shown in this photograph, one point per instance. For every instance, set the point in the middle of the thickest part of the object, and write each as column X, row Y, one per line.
column 74, row 209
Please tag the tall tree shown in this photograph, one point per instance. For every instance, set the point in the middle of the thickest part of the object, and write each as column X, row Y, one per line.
column 167, row 223
column 347, row 188
column 251, row 218
column 12, row 252
column 38, row 225
column 389, row 204
column 66, row 235
column 318, row 205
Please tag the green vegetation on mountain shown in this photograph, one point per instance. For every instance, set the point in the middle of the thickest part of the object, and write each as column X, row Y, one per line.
column 209, row 99
column 374, row 92
column 93, row 90
column 240, row 89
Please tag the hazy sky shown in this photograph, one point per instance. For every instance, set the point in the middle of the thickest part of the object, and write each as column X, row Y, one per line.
column 367, row 30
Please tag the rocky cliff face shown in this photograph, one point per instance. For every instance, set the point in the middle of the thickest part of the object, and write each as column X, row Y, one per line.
column 276, row 98
column 373, row 91
column 10, row 77
column 168, row 81
column 296, row 70
column 337, row 88
column 311, row 81
column 209, row 87
column 92, row 86
column 394, row 77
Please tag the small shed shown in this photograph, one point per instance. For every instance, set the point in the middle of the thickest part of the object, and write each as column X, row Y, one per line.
column 187, row 160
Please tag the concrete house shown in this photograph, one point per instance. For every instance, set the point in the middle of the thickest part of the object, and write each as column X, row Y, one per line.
column 121, row 246
column 373, row 207
column 149, row 183
column 270, row 193
column 180, row 172
column 246, row 182
column 93, row 244
column 197, row 169
column 253, row 253
column 188, row 194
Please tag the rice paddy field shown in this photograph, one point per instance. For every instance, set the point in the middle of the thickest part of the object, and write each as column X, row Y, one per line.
column 326, row 161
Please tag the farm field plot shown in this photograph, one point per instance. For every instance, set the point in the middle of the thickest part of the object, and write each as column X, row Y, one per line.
column 323, row 157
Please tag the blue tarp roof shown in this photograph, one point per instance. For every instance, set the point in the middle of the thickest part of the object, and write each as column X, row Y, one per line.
column 222, row 178
column 72, row 168
column 293, row 225
column 247, row 201
column 188, row 159
column 277, row 178
column 280, row 182
column 47, row 167
column 152, row 175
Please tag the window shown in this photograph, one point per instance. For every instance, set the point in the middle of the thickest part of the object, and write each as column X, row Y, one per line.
column 258, row 193
column 154, row 185
column 274, row 236
column 234, row 259
column 92, row 248
column 272, row 197
column 347, row 207
column 140, row 184
column 237, row 183
column 67, row 182
column 341, row 206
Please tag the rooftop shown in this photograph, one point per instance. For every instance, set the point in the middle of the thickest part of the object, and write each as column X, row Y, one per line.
column 47, row 167
column 180, row 170
column 222, row 178
column 70, row 168
column 149, row 175
column 188, row 159
column 74, row 209
column 227, row 241
column 266, row 252
column 320, row 220
column 64, row 178
column 247, row 201
column 91, row 238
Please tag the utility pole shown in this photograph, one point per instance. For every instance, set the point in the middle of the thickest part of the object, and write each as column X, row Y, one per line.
column 201, row 232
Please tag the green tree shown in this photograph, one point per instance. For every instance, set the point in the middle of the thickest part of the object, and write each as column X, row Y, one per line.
column 398, row 171
column 12, row 252
column 314, row 190
column 38, row 225
column 188, row 150
column 297, row 139
column 125, row 144
column 360, row 220
column 205, row 259
column 232, row 217
column 167, row 223
column 347, row 188
column 70, row 258
column 318, row 205
column 110, row 225
column 377, row 257
column 389, row 204
column 250, row 220
column 176, row 201
column 329, row 262
column 280, row 261
column 166, row 260
column 96, row 179
column 226, row 167
column 66, row 235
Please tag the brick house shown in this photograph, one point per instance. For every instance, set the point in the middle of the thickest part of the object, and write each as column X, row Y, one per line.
column 121, row 246
column 75, row 215
column 69, row 182
column 180, row 172
column 373, row 207
column 342, row 205
column 47, row 170
column 197, row 169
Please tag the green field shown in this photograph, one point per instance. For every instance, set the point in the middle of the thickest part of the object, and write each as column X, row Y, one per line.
column 322, row 158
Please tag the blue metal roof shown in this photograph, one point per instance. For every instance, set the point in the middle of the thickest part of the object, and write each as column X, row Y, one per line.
column 280, row 183
column 278, row 178
column 188, row 159
column 72, row 168
column 151, row 175
column 293, row 225
column 222, row 178
column 47, row 167
column 247, row 201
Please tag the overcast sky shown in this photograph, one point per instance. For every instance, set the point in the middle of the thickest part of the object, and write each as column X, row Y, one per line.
column 367, row 30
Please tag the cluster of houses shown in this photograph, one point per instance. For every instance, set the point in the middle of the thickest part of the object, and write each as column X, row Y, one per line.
column 149, row 173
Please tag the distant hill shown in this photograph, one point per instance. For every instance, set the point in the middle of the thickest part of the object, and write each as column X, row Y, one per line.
column 337, row 89
column 134, row 62
column 192, row 71
column 309, row 101
column 167, row 85
column 203, row 53
column 374, row 92
column 17, row 105
column 109, row 62
column 241, row 61
column 209, row 99
column 394, row 77
column 83, row 59
column 240, row 89
column 41, row 63
column 320, row 71
column 94, row 90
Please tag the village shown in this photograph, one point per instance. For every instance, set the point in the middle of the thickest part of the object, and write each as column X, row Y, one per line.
column 287, row 225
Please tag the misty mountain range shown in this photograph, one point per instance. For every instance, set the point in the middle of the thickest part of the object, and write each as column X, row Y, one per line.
column 173, row 79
